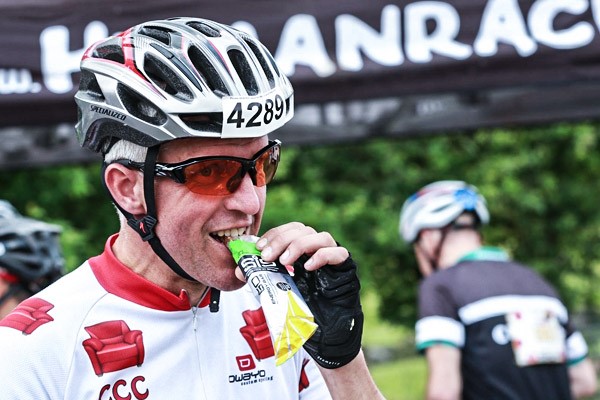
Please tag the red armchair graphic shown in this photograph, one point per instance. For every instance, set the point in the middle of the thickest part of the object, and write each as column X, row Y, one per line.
column 112, row 346
column 29, row 315
column 304, row 382
column 257, row 334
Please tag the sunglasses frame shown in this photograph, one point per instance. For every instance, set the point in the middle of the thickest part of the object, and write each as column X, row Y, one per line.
column 175, row 171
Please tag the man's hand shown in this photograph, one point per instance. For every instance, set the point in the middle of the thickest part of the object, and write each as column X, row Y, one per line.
column 326, row 276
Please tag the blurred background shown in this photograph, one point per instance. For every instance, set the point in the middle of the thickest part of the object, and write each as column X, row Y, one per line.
column 389, row 97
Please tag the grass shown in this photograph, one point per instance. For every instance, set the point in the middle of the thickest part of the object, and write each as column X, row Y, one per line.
column 399, row 377
column 377, row 332
column 402, row 379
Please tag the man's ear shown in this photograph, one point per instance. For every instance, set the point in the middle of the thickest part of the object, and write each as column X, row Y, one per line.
column 423, row 261
column 126, row 187
column 424, row 250
column 430, row 238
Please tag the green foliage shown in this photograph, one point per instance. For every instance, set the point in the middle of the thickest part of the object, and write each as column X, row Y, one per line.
column 541, row 185
column 71, row 196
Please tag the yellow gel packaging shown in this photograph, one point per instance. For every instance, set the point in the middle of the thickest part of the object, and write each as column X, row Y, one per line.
column 290, row 321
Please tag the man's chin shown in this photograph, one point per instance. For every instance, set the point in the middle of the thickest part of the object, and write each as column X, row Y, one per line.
column 229, row 284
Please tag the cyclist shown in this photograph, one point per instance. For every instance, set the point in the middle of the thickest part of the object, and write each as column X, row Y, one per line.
column 30, row 256
column 181, row 110
column 490, row 327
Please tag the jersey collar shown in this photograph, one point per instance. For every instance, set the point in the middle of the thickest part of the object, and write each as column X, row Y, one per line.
column 118, row 279
column 486, row 253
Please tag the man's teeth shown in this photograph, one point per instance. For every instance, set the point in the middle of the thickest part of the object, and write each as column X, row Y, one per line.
column 231, row 232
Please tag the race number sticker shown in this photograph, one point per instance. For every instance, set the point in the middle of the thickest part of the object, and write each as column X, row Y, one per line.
column 255, row 116
column 537, row 337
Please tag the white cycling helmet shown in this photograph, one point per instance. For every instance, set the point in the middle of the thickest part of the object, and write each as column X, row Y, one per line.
column 179, row 77
column 437, row 205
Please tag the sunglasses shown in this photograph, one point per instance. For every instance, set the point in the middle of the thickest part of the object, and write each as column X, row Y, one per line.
column 219, row 175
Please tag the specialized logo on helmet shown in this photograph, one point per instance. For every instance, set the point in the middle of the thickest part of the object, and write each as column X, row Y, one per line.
column 108, row 112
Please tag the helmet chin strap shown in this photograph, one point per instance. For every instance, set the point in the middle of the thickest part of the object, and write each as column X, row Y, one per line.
column 145, row 226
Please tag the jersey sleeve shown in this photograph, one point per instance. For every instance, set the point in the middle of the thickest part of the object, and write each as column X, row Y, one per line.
column 30, row 375
column 438, row 321
column 577, row 348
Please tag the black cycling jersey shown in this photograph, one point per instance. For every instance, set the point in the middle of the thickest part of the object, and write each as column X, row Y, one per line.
column 495, row 311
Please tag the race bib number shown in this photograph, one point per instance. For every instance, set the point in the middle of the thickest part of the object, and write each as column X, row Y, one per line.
column 537, row 337
column 256, row 116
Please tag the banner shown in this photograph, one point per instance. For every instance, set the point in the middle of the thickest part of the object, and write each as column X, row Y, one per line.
column 376, row 58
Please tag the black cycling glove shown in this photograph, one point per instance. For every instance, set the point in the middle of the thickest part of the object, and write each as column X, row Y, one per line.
column 332, row 294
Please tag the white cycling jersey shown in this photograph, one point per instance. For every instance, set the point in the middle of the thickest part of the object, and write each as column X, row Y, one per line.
column 102, row 332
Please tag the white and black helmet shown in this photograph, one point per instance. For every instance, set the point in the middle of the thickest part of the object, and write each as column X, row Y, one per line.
column 437, row 205
column 30, row 252
column 179, row 77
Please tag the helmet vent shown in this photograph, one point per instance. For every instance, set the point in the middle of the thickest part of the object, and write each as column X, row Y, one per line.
column 163, row 77
column 205, row 122
column 204, row 29
column 207, row 70
column 90, row 86
column 111, row 51
column 244, row 71
column 263, row 63
column 139, row 107
column 273, row 63
column 157, row 33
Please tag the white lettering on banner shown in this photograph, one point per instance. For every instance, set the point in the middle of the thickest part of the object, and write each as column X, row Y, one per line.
column 19, row 81
column 596, row 12
column 540, row 23
column 503, row 22
column 58, row 63
column 301, row 42
column 354, row 37
column 420, row 45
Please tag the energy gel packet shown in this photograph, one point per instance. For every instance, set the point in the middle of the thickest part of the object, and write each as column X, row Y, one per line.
column 289, row 319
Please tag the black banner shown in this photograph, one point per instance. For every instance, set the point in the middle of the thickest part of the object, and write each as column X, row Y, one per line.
column 418, row 59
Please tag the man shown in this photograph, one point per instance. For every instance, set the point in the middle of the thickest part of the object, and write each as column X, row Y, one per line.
column 30, row 257
column 489, row 327
column 181, row 109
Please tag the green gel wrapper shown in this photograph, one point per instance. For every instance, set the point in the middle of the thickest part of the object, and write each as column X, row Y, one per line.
column 240, row 248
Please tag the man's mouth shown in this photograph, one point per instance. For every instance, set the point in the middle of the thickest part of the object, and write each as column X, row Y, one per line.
column 225, row 236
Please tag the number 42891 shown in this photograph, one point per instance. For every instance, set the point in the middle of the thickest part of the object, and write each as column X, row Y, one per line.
column 256, row 114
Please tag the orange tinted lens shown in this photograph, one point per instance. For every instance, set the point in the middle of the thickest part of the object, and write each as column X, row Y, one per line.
column 211, row 176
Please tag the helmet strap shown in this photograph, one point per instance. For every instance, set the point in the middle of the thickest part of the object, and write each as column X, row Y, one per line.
column 145, row 226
